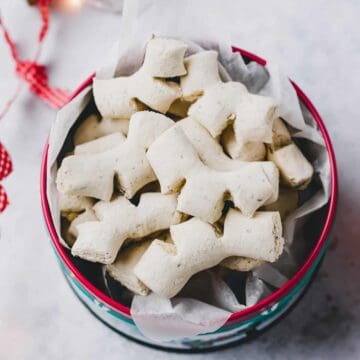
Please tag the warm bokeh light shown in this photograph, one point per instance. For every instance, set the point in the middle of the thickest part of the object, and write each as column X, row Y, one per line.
column 68, row 5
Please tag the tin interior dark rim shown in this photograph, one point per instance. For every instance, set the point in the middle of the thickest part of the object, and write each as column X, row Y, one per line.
column 252, row 310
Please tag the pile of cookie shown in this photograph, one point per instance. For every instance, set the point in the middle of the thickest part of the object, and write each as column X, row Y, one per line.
column 179, row 173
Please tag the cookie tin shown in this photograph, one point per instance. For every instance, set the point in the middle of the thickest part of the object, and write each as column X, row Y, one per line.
column 241, row 325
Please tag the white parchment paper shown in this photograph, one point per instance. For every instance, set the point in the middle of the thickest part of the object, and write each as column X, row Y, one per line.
column 184, row 316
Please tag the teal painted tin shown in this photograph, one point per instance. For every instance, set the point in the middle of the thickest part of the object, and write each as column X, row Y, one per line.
column 241, row 325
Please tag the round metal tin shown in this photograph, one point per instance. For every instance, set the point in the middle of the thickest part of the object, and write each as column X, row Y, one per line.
column 241, row 324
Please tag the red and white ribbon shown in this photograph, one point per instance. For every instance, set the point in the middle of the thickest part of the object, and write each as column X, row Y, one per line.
column 30, row 71
column 35, row 76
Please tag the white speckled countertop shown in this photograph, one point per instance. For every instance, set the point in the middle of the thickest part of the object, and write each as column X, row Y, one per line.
column 318, row 44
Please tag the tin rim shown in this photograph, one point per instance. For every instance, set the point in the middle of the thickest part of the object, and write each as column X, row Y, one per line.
column 252, row 310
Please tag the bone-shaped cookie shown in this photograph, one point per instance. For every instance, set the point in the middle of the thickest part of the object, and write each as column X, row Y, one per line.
column 75, row 209
column 212, row 155
column 164, row 58
column 255, row 150
column 117, row 97
column 280, row 135
column 248, row 151
column 166, row 268
column 119, row 220
column 93, row 174
column 68, row 228
column 240, row 263
column 122, row 269
column 175, row 161
column 295, row 170
column 100, row 144
column 202, row 72
column 72, row 206
column 74, row 203
column 86, row 216
column 92, row 128
column 208, row 148
column 224, row 103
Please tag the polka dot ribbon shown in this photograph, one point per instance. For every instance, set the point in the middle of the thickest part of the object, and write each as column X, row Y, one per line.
column 5, row 170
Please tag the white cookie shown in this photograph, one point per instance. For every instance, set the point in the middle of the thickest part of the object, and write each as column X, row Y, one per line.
column 93, row 174
column 115, row 98
column 74, row 203
column 92, row 128
column 202, row 72
column 166, row 268
column 87, row 215
column 119, row 220
column 249, row 151
column 281, row 135
column 164, row 58
column 100, row 145
column 295, row 170
column 224, row 103
column 119, row 97
column 122, row 269
column 175, row 161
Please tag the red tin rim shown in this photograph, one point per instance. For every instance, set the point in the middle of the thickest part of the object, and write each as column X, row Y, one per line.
column 240, row 315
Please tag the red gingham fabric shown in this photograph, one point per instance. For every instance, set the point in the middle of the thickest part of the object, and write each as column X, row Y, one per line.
column 5, row 170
